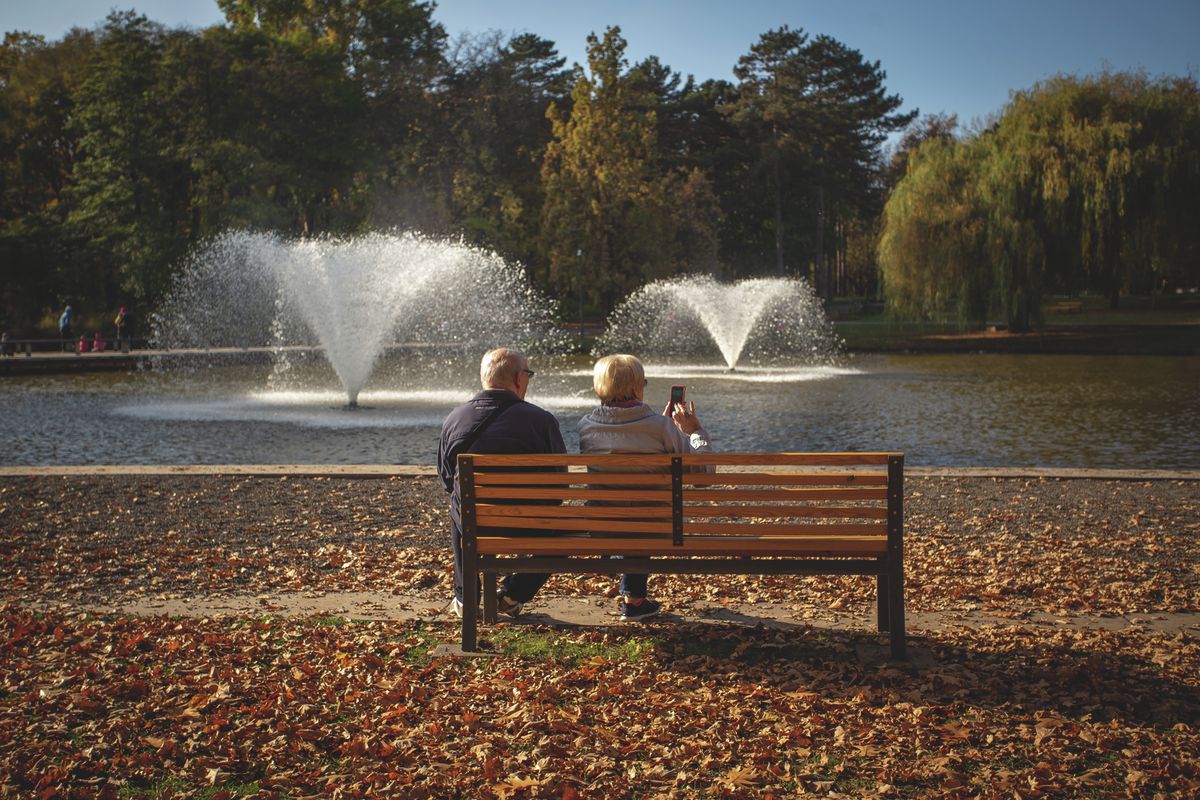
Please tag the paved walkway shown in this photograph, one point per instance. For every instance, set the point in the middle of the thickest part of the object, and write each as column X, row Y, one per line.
column 599, row 611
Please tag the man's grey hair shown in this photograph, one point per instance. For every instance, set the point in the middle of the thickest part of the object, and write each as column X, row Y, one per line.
column 499, row 368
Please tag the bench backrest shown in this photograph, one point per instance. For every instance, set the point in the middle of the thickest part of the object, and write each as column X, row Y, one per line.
column 757, row 502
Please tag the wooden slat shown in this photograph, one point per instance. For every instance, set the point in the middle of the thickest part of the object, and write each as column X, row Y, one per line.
column 783, row 529
column 567, row 478
column 639, row 527
column 763, row 546
column 832, row 493
column 579, row 512
column 784, row 459
column 691, row 478
column 555, row 524
column 819, row 512
column 690, row 495
column 622, row 495
column 621, row 460
column 782, row 479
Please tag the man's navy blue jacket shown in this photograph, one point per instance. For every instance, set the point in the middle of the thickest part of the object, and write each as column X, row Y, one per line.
column 522, row 428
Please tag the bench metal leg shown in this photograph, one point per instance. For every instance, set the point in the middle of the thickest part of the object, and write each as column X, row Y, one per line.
column 470, row 606
column 896, row 609
column 882, row 617
column 489, row 598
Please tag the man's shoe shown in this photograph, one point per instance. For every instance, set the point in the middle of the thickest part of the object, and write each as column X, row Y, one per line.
column 643, row 610
column 507, row 606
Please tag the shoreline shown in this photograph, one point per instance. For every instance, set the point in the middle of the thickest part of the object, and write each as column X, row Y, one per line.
column 1180, row 339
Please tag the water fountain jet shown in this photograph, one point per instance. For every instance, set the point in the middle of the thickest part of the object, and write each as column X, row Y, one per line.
column 351, row 298
column 771, row 317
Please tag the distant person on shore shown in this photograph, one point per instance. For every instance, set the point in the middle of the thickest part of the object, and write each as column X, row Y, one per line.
column 119, row 321
column 64, row 324
column 98, row 343
column 623, row 423
column 497, row 420
column 83, row 345
column 5, row 347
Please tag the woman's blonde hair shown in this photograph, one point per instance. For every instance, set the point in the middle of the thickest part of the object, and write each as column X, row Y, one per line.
column 617, row 378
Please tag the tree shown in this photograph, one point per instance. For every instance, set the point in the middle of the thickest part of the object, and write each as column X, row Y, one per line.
column 935, row 233
column 122, row 200
column 941, row 127
column 393, row 51
column 1082, row 184
column 38, row 82
column 817, row 114
column 493, row 105
column 606, row 220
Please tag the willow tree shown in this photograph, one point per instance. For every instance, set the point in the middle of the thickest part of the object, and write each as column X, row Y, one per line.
column 935, row 233
column 1082, row 185
column 606, row 220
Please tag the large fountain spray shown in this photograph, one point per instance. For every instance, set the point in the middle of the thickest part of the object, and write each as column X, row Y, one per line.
column 773, row 317
column 352, row 297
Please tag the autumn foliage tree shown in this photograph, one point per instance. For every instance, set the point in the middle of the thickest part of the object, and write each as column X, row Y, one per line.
column 607, row 223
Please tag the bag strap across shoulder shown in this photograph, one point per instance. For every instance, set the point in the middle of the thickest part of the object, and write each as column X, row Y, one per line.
column 505, row 404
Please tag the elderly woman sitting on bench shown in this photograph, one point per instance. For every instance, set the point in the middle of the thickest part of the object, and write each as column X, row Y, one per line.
column 623, row 423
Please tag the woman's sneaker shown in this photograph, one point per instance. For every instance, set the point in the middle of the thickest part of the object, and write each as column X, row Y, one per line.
column 643, row 610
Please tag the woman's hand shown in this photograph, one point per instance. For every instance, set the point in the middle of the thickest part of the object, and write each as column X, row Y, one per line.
column 684, row 417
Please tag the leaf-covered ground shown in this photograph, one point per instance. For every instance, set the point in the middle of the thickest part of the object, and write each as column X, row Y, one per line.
column 111, row 706
column 1007, row 546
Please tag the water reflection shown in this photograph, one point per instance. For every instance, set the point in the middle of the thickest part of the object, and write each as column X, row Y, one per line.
column 942, row 410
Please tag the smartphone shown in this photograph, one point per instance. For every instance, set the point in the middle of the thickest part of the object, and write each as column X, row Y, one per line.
column 676, row 395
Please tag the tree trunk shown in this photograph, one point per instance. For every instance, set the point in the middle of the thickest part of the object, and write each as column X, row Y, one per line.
column 823, row 273
column 778, row 217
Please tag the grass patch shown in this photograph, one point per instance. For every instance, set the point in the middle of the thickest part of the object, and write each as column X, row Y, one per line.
column 419, row 645
column 173, row 785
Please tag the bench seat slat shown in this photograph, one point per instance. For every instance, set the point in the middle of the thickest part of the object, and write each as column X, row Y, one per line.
column 698, row 546
column 785, row 459
column 488, row 511
column 664, row 479
column 664, row 494
column 638, row 527
column 641, row 461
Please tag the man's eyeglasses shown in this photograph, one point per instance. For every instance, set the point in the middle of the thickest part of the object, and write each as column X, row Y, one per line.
column 529, row 372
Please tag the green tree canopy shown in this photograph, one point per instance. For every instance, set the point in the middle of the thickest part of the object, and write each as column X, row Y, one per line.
column 1082, row 184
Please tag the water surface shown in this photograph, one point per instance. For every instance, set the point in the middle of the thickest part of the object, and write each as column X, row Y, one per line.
column 941, row 410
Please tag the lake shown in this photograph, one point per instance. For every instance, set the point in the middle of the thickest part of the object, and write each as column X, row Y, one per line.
column 941, row 410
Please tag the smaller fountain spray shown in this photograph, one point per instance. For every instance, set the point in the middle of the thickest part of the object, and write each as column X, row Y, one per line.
column 773, row 317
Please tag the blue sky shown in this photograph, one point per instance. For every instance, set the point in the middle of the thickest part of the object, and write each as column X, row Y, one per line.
column 952, row 56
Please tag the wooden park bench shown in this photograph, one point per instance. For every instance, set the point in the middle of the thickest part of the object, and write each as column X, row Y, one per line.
column 751, row 514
